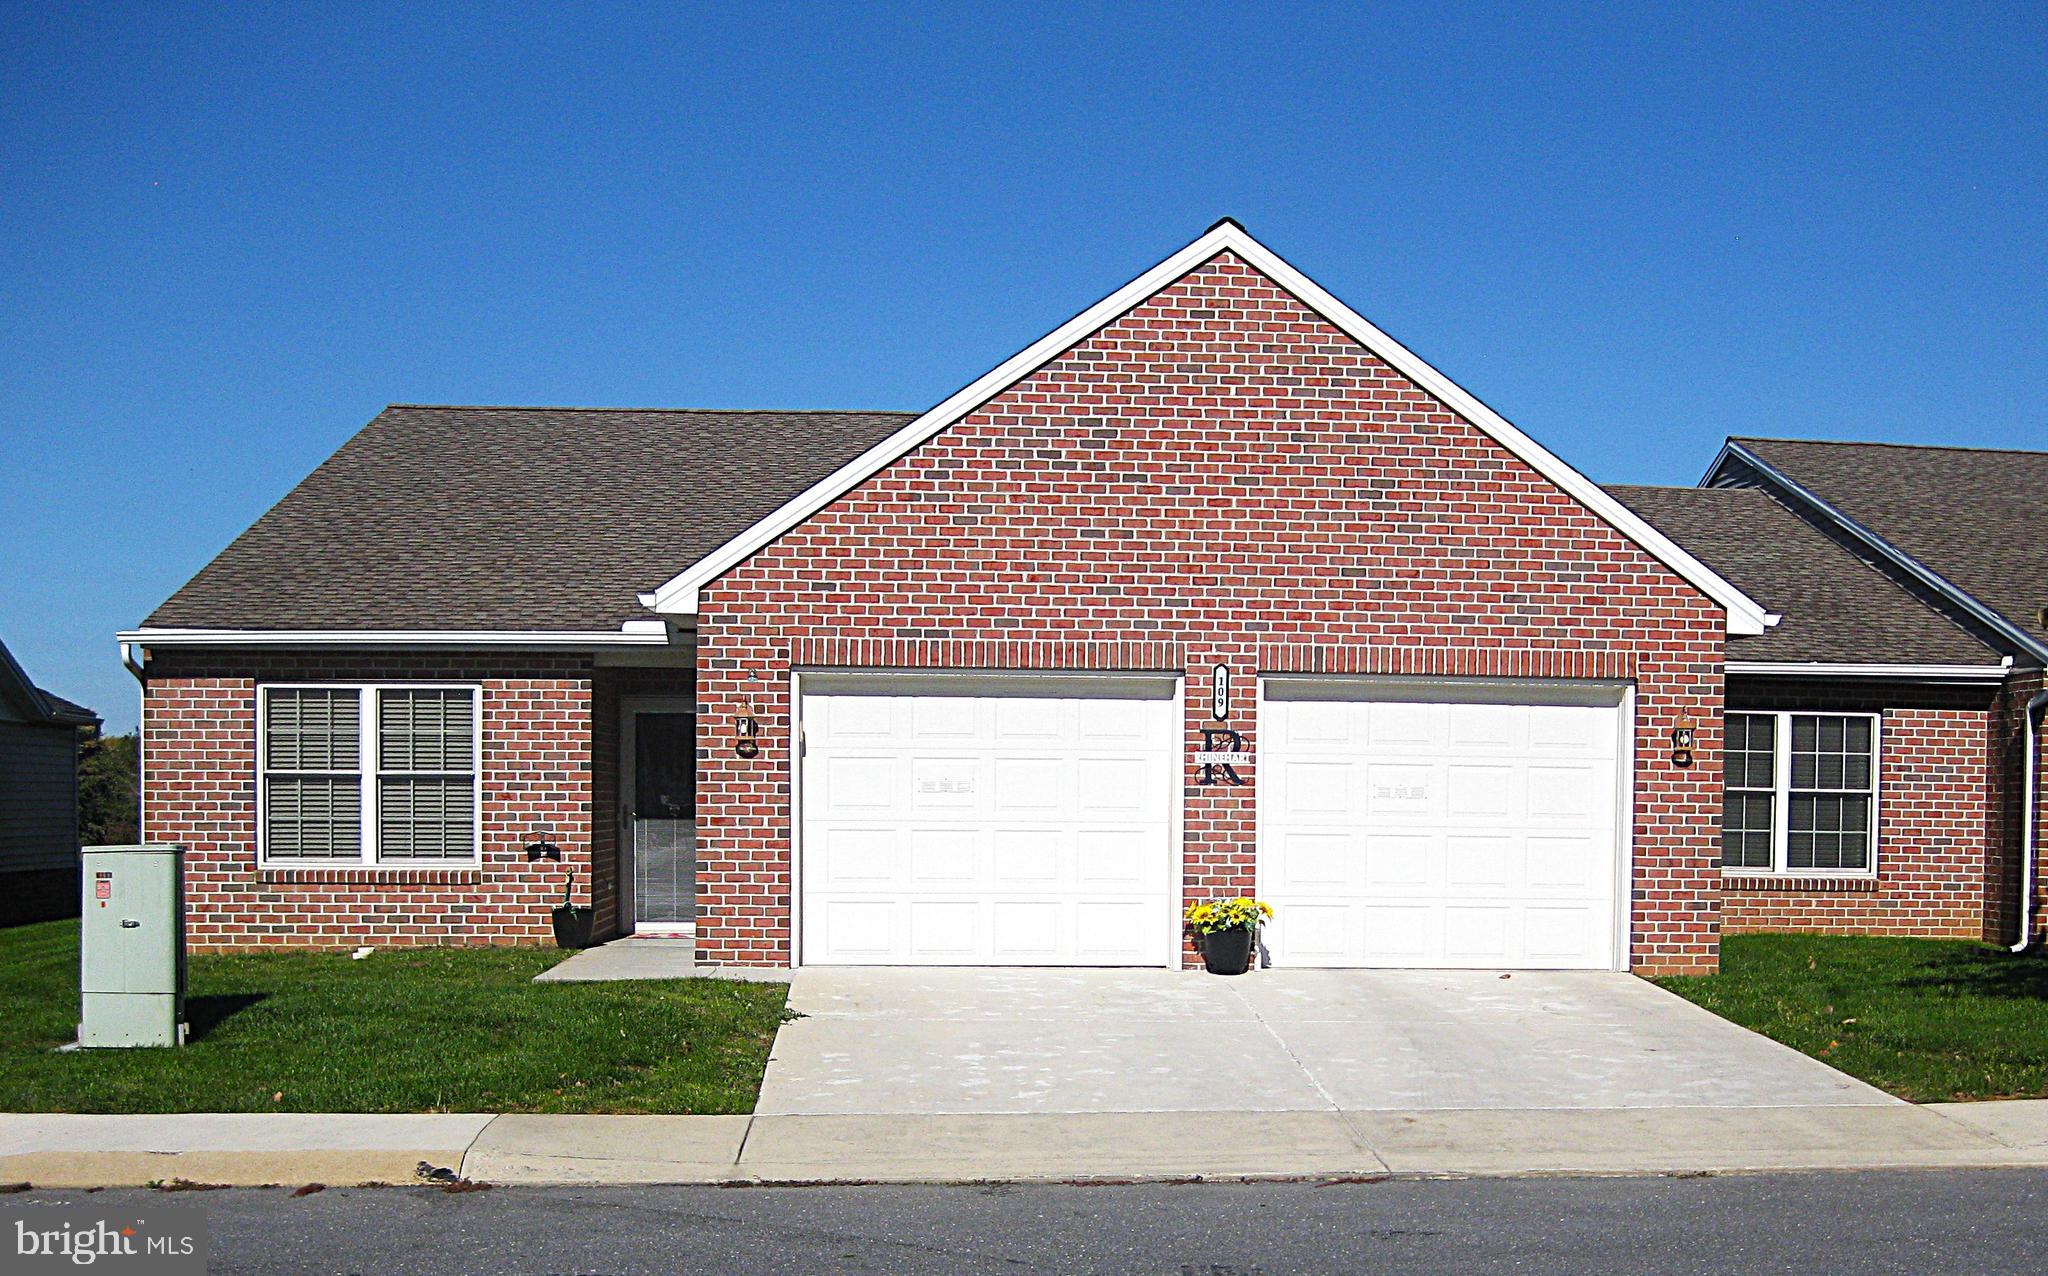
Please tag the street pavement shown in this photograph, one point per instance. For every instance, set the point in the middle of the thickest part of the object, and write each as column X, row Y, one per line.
column 1977, row 1222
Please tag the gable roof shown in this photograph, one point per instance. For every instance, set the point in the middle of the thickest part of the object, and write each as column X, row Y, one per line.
column 679, row 596
column 1970, row 523
column 1837, row 608
column 34, row 703
column 451, row 520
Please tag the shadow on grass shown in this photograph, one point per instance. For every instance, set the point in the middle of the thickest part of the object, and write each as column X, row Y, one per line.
column 204, row 1014
column 1984, row 973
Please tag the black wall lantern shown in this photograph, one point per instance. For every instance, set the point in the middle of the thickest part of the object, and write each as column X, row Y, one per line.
column 746, row 734
column 1682, row 733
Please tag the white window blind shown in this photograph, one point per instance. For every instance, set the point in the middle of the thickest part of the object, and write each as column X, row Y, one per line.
column 405, row 790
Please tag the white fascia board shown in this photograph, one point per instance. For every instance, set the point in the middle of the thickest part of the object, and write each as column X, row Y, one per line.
column 1900, row 558
column 680, row 595
column 635, row 633
column 1903, row 673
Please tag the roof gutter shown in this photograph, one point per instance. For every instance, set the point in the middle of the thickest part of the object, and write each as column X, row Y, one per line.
column 2027, row 821
column 634, row 633
column 1900, row 673
column 1948, row 589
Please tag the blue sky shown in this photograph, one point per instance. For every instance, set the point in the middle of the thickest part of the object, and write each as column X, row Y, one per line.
column 229, row 238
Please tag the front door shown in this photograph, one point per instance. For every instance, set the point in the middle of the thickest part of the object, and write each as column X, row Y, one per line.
column 660, row 799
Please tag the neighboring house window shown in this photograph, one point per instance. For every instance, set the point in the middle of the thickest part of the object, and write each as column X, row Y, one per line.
column 1800, row 793
column 368, row 774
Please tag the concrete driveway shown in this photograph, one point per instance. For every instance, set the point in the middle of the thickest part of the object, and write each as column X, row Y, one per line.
column 895, row 1041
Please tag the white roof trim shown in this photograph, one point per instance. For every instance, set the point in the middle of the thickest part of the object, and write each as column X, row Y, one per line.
column 1927, row 575
column 1905, row 673
column 680, row 595
column 635, row 633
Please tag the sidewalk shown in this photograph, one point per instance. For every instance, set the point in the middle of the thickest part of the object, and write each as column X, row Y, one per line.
column 337, row 1149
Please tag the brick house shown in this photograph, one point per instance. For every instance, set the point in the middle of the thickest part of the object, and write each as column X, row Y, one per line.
column 38, row 798
column 1215, row 589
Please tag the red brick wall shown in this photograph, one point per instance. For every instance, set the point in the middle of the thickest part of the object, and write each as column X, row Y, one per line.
column 199, row 725
column 1938, row 862
column 1222, row 472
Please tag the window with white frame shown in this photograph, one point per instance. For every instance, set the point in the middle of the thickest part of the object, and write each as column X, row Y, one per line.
column 1800, row 793
column 368, row 774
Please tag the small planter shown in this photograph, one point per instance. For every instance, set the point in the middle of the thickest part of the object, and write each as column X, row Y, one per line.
column 573, row 923
column 1228, row 952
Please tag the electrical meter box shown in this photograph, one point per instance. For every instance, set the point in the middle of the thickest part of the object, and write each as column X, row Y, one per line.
column 132, row 946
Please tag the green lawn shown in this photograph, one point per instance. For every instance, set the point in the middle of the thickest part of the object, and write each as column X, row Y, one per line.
column 1927, row 1020
column 419, row 1030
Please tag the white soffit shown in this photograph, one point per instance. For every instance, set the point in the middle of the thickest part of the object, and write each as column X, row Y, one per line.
column 680, row 595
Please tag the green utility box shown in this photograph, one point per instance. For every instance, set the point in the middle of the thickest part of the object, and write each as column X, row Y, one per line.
column 131, row 944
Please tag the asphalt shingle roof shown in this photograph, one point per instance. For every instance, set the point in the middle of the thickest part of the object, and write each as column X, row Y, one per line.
column 1977, row 516
column 483, row 518
column 1836, row 607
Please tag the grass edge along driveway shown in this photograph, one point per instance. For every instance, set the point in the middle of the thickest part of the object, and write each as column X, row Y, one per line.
column 403, row 1030
column 1927, row 1020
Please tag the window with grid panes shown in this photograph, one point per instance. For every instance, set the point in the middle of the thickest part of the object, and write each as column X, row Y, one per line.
column 369, row 774
column 1800, row 793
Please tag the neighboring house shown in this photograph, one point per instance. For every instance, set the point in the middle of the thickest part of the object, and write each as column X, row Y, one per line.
column 38, row 798
column 1215, row 589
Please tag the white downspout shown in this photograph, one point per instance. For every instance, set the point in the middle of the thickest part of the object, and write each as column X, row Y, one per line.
column 2033, row 715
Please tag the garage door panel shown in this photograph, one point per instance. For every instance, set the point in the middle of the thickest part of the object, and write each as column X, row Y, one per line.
column 1028, row 859
column 849, row 719
column 1578, row 795
column 1323, row 930
column 1484, row 792
column 948, row 857
column 1021, row 824
column 1478, row 831
column 1308, row 859
column 1394, row 935
column 1027, row 784
column 1486, row 728
column 1394, row 725
column 1112, row 931
column 1567, row 862
column 1480, row 862
column 1027, row 930
column 1395, row 861
column 853, row 783
column 1568, row 729
column 857, row 856
column 1559, row 933
column 859, row 929
column 943, row 785
column 1395, row 791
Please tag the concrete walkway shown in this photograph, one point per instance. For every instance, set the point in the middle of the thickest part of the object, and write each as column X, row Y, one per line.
column 649, row 957
column 260, row 1149
column 962, row 1076
column 898, row 1042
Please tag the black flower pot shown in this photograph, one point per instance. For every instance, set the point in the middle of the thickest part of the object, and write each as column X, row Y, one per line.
column 1227, row 952
column 572, row 925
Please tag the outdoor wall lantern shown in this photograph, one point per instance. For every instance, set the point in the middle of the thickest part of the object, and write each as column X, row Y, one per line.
column 1681, row 742
column 746, row 733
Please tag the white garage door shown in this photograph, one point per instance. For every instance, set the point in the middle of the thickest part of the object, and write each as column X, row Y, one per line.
column 1446, row 823
column 983, row 820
